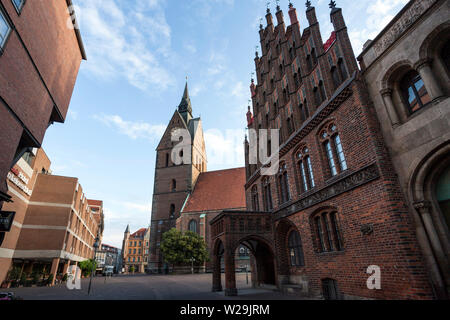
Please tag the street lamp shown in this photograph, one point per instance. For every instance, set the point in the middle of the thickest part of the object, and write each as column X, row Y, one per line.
column 96, row 244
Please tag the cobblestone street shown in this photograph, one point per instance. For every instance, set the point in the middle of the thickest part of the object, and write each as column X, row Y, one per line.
column 148, row 287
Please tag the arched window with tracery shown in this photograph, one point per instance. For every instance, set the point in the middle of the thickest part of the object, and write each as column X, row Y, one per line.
column 255, row 198
column 327, row 234
column 333, row 149
column 283, row 184
column 192, row 226
column 295, row 247
column 305, row 169
column 267, row 195
column 413, row 91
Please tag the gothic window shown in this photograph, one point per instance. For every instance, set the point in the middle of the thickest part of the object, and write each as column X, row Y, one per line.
column 172, row 211
column 329, row 289
column 272, row 84
column 264, row 96
column 255, row 198
column 267, row 121
column 281, row 69
column 302, row 112
column 414, row 92
column 174, row 185
column 333, row 149
column 335, row 76
column 267, row 195
column 326, row 232
column 193, row 226
column 283, row 183
column 295, row 249
column 285, row 95
column 291, row 53
column 342, row 69
column 297, row 83
column 317, row 98
column 167, row 160
column 305, row 105
column 308, row 62
column 305, row 169
column 289, row 125
column 314, row 56
column 323, row 95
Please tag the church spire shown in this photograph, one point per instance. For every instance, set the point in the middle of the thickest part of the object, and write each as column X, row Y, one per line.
column 185, row 108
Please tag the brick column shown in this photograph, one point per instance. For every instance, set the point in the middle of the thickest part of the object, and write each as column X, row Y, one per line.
column 230, row 276
column 54, row 269
column 389, row 104
column 433, row 87
column 217, row 274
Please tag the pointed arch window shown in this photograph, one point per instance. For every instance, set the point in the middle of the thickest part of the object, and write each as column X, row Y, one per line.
column 290, row 126
column 295, row 249
column 305, row 169
column 342, row 69
column 335, row 76
column 333, row 149
column 172, row 211
column 327, row 235
column 283, row 184
column 267, row 195
column 255, row 198
column 167, row 160
column 174, row 185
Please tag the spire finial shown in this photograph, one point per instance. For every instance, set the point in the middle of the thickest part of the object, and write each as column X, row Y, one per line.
column 278, row 5
column 290, row 4
column 332, row 4
column 308, row 4
column 268, row 6
column 260, row 23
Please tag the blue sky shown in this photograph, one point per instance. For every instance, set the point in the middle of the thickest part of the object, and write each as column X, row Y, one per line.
column 139, row 54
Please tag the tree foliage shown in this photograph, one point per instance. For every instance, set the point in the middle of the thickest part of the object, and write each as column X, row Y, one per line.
column 179, row 248
column 88, row 266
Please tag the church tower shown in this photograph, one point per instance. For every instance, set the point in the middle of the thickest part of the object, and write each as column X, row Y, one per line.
column 173, row 183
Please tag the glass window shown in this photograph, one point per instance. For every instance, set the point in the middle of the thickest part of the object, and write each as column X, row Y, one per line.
column 193, row 226
column 414, row 91
column 330, row 158
column 18, row 4
column 295, row 249
column 340, row 153
column 5, row 29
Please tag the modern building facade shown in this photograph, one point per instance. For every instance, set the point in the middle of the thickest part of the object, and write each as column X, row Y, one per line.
column 40, row 54
column 174, row 180
column 334, row 210
column 54, row 225
column 407, row 71
column 135, row 250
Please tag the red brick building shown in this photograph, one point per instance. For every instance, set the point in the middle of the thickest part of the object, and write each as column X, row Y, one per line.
column 335, row 207
column 175, row 181
column 214, row 192
column 40, row 55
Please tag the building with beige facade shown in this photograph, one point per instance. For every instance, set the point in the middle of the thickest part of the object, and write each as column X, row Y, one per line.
column 55, row 224
column 407, row 71
column 135, row 250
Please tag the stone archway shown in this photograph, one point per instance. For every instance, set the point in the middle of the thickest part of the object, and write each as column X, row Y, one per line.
column 217, row 255
column 423, row 193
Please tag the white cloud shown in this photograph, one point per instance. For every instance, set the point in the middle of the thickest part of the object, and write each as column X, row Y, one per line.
column 134, row 130
column 126, row 43
column 224, row 150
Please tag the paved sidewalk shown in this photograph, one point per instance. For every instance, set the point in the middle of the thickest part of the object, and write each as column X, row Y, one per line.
column 149, row 287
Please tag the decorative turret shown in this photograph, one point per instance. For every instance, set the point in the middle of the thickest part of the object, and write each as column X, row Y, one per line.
column 185, row 108
column 292, row 14
column 249, row 117
column 311, row 13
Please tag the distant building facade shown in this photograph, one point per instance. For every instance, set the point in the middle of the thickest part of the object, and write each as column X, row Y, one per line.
column 109, row 256
column 407, row 71
column 37, row 75
column 135, row 250
column 54, row 226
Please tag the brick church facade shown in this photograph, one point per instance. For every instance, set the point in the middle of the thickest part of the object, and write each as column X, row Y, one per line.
column 335, row 211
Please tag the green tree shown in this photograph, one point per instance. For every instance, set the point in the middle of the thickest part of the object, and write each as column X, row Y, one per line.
column 179, row 248
column 87, row 266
